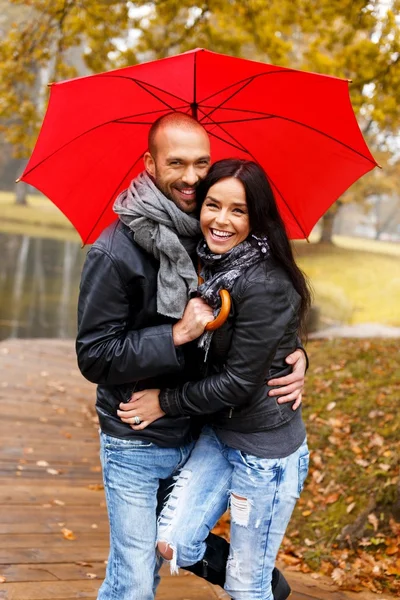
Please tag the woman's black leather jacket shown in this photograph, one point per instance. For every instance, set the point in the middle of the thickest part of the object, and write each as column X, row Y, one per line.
column 246, row 352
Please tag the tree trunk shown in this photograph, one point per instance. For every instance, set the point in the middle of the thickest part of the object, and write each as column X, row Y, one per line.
column 21, row 190
column 327, row 227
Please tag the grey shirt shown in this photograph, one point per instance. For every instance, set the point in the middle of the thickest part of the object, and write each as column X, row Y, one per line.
column 273, row 443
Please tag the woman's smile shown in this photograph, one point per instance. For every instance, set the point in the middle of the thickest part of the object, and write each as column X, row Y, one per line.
column 224, row 217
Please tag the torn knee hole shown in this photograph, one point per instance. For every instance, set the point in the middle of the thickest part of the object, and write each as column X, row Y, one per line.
column 240, row 510
column 165, row 550
column 239, row 497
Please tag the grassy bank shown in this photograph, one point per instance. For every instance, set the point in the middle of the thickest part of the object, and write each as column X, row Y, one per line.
column 344, row 525
column 39, row 218
column 353, row 285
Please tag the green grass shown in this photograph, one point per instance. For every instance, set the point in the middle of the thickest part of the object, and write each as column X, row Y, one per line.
column 39, row 218
column 353, row 285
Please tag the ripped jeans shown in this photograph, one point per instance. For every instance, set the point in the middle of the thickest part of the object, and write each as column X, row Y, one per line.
column 261, row 493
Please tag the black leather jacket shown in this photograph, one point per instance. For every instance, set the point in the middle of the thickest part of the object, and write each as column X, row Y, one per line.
column 245, row 352
column 123, row 345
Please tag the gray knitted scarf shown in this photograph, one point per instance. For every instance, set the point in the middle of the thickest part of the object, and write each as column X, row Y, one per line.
column 220, row 271
column 167, row 233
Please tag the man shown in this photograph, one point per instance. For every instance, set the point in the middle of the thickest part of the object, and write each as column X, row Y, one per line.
column 134, row 333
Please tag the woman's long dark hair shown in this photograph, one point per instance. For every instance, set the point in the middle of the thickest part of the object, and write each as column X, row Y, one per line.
column 264, row 219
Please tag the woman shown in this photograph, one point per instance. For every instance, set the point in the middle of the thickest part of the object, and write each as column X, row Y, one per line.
column 253, row 453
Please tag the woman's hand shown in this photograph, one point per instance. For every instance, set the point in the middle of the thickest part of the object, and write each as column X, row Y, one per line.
column 143, row 405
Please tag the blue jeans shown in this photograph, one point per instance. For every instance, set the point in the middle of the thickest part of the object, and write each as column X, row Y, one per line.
column 262, row 494
column 134, row 472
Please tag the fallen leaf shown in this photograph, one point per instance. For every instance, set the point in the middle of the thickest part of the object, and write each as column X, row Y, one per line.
column 374, row 521
column 306, row 513
column 350, row 507
column 96, row 487
column 361, row 462
column 331, row 406
column 384, row 467
column 94, row 526
column 59, row 502
column 392, row 550
column 42, row 463
column 332, row 498
column 83, row 564
column 91, row 575
column 52, row 471
column 289, row 559
column 338, row 576
column 2, row 579
column 376, row 440
column 68, row 534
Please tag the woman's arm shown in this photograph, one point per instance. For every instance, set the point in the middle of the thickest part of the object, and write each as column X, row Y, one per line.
column 265, row 312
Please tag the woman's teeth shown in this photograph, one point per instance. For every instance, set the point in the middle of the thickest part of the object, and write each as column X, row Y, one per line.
column 221, row 234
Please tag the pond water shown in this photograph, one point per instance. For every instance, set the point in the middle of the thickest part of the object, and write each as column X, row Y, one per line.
column 39, row 284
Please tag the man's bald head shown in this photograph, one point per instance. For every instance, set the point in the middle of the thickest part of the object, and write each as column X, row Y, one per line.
column 174, row 120
column 178, row 158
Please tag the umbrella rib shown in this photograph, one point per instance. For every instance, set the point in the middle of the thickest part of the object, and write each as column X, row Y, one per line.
column 143, row 85
column 237, row 144
column 248, row 79
column 85, row 133
column 247, row 82
column 112, row 197
column 228, row 142
column 327, row 135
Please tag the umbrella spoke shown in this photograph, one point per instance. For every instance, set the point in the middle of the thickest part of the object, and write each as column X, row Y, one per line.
column 144, row 85
column 236, row 144
column 218, row 137
column 246, row 80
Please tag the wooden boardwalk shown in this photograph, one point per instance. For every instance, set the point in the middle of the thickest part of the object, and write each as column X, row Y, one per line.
column 53, row 523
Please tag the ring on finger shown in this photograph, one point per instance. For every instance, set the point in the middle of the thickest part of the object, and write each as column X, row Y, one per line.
column 137, row 420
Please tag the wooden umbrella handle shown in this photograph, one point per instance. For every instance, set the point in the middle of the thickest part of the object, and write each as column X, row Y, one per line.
column 223, row 313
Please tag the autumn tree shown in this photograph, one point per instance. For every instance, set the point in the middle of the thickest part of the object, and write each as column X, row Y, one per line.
column 38, row 49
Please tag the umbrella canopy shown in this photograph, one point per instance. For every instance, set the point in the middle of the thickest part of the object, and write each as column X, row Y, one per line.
column 299, row 126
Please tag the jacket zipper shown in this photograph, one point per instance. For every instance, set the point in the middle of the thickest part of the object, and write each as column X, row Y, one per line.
column 230, row 412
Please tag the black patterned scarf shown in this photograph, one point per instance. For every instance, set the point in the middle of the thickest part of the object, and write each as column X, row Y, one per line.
column 220, row 271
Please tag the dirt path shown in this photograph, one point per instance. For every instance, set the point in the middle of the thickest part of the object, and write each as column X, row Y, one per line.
column 53, row 523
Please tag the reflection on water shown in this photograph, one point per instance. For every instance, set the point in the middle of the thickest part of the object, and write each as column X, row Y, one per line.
column 39, row 283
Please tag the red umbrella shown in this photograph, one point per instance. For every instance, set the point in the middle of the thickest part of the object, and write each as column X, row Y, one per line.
column 299, row 126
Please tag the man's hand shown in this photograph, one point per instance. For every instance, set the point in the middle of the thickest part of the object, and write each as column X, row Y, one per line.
column 144, row 405
column 196, row 316
column 292, row 385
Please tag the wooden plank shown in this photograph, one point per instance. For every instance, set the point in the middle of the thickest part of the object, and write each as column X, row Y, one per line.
column 49, row 590
column 45, row 540
column 63, row 554
column 176, row 588
column 52, row 572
